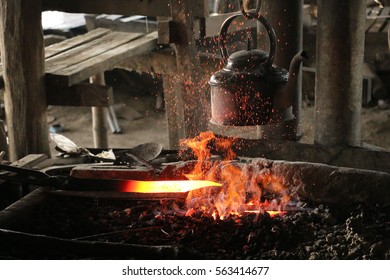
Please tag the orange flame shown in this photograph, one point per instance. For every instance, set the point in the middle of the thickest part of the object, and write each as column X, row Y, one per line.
column 242, row 184
column 199, row 146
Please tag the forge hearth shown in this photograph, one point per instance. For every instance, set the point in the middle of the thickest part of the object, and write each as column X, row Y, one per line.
column 336, row 216
column 79, row 227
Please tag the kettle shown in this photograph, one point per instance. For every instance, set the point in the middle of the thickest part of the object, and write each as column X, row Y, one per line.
column 250, row 90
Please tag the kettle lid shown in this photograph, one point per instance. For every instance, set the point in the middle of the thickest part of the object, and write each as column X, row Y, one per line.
column 247, row 60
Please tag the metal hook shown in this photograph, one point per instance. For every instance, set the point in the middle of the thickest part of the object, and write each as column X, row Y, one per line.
column 250, row 13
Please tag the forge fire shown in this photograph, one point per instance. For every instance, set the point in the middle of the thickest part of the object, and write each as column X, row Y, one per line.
column 245, row 187
column 244, row 208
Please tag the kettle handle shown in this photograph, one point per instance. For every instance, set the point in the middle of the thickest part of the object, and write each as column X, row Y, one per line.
column 249, row 15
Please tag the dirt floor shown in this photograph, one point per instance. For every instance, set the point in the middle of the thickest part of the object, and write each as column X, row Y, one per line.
column 141, row 123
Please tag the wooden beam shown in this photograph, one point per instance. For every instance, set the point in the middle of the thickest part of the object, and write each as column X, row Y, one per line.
column 22, row 53
column 163, row 61
column 158, row 61
column 199, row 8
column 167, row 32
column 174, row 112
column 192, row 87
column 80, row 95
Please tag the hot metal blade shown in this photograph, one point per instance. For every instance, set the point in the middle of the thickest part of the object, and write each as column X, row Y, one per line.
column 135, row 186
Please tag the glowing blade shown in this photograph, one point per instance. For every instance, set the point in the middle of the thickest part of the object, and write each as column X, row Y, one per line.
column 173, row 186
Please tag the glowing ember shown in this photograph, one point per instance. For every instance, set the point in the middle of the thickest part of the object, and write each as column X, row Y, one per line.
column 275, row 213
column 244, row 186
column 166, row 186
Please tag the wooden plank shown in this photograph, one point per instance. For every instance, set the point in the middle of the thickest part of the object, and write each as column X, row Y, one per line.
column 52, row 39
column 122, row 7
column 63, row 46
column 80, row 95
column 30, row 160
column 370, row 20
column 164, row 62
column 105, row 61
column 77, row 46
column 380, row 22
column 87, row 51
column 133, row 24
column 22, row 51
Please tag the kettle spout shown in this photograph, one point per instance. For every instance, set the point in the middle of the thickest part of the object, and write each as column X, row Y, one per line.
column 284, row 99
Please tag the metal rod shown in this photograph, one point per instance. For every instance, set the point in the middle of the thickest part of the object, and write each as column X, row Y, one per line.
column 339, row 78
column 114, row 119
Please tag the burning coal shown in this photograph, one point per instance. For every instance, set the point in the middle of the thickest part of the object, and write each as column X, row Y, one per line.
column 245, row 187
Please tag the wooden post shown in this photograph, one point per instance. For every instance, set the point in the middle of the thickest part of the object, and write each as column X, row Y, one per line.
column 195, row 105
column 22, row 54
column 174, row 113
column 339, row 76
column 99, row 118
column 286, row 19
column 388, row 37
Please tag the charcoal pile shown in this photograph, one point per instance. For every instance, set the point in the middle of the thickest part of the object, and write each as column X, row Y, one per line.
column 318, row 232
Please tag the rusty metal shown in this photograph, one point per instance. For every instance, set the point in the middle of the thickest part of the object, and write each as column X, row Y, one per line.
column 339, row 74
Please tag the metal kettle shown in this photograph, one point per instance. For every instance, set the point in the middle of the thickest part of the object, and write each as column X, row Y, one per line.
column 250, row 90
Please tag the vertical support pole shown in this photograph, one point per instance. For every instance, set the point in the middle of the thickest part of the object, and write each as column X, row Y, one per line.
column 22, row 55
column 286, row 19
column 99, row 118
column 174, row 113
column 339, row 74
column 194, row 101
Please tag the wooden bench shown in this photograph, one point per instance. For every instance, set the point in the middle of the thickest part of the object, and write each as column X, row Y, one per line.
column 70, row 63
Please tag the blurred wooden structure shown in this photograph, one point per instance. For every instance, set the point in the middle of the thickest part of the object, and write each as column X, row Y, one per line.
column 22, row 42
